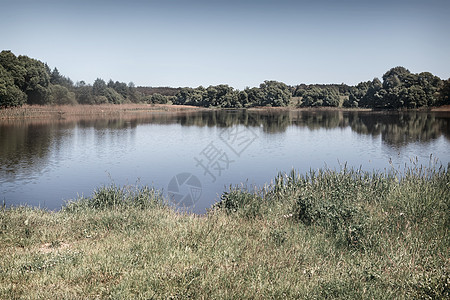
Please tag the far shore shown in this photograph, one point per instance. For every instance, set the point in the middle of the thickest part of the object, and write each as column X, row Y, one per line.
column 61, row 111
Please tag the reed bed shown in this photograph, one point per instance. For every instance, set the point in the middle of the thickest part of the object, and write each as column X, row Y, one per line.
column 63, row 111
column 327, row 234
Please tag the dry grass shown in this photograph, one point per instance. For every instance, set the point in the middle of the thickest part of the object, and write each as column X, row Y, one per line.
column 445, row 108
column 287, row 242
column 64, row 111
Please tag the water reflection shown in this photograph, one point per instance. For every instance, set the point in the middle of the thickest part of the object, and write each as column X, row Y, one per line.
column 399, row 129
column 25, row 144
column 396, row 128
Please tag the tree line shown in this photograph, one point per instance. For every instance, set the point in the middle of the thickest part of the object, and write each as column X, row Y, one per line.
column 25, row 80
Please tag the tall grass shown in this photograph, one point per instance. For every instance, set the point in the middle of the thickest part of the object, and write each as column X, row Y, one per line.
column 115, row 197
column 327, row 234
column 66, row 111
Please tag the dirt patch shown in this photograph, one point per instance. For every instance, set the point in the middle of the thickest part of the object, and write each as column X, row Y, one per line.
column 52, row 247
column 441, row 108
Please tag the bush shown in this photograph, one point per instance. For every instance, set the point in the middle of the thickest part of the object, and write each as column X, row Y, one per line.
column 345, row 222
column 158, row 99
column 239, row 200
column 118, row 198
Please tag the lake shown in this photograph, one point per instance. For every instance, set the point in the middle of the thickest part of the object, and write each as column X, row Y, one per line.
column 194, row 156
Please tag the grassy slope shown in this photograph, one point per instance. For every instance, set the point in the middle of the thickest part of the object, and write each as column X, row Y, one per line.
column 327, row 234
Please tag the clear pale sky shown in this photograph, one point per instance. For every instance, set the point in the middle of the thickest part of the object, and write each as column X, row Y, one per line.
column 240, row 43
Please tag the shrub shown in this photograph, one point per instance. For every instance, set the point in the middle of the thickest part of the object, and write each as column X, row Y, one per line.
column 118, row 198
column 239, row 200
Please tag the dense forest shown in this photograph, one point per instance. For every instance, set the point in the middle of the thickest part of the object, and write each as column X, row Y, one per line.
column 24, row 80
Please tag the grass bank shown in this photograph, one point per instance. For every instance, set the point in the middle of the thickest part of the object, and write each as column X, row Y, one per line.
column 324, row 235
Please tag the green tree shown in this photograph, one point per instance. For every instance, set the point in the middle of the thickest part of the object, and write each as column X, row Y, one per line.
column 10, row 94
column 328, row 96
column 84, row 93
column 210, row 96
column 444, row 93
column 401, row 88
column 221, row 96
column 120, row 87
column 413, row 97
column 274, row 93
column 158, row 99
column 374, row 96
column 61, row 95
column 396, row 77
column 104, row 94
column 190, row 96
column 57, row 78
column 37, row 80
column 312, row 97
column 430, row 85
column 12, row 65
column 99, row 87
column 243, row 99
column 356, row 93
column 254, row 96
column 112, row 96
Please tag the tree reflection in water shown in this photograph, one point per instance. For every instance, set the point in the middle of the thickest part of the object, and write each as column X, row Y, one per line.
column 26, row 143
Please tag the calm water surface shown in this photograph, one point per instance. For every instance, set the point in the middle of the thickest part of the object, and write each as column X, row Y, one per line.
column 194, row 156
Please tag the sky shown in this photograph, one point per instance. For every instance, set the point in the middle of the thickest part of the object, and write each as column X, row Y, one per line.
column 240, row 43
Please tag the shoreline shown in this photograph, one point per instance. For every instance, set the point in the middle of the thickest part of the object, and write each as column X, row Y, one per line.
column 62, row 111
column 296, row 240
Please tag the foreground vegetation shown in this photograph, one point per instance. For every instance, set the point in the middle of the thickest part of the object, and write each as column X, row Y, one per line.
column 24, row 80
column 327, row 234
